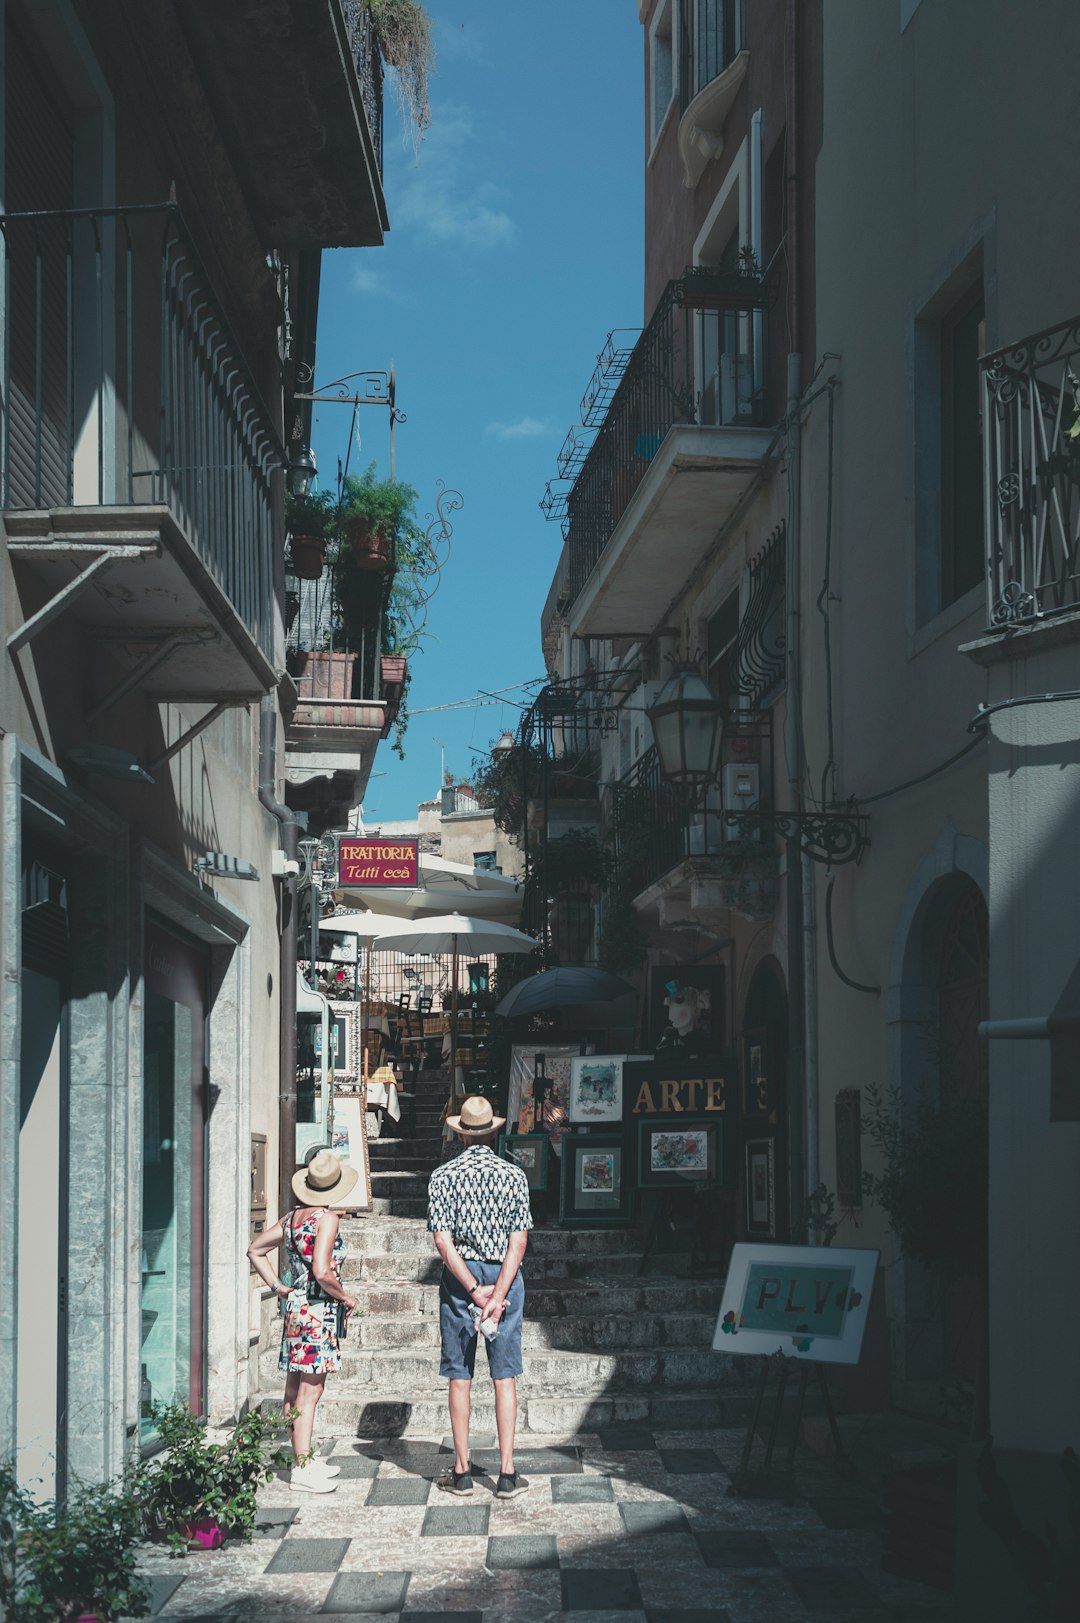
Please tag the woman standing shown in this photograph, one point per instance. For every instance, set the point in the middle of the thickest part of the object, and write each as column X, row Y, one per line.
column 309, row 1343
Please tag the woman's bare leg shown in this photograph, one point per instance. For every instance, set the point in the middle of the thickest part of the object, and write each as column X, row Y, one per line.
column 292, row 1386
column 309, row 1391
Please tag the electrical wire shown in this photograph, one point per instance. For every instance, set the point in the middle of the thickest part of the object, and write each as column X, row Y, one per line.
column 923, row 777
column 829, row 769
column 830, row 942
column 985, row 711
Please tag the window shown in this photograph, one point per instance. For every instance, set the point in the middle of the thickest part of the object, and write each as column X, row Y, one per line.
column 719, row 35
column 963, row 339
column 721, row 636
column 663, row 56
column 484, row 862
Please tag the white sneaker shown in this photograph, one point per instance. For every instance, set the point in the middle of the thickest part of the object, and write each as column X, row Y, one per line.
column 311, row 1480
column 320, row 1463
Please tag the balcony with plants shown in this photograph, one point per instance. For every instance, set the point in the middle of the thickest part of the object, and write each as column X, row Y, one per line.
column 673, row 439
column 139, row 458
column 301, row 104
column 359, row 573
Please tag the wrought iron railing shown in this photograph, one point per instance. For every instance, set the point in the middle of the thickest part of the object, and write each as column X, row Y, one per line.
column 713, row 33
column 654, row 827
column 1031, row 460
column 694, row 363
column 367, row 58
column 757, row 662
column 123, row 384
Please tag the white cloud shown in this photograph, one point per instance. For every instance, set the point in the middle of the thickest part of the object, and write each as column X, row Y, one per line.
column 526, row 428
column 366, row 279
column 440, row 199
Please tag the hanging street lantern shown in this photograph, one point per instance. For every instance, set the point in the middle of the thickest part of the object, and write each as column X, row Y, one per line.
column 302, row 470
column 688, row 724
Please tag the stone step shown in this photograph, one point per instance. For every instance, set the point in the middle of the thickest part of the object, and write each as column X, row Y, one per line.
column 405, row 1268
column 389, row 1181
column 567, row 1299
column 579, row 1332
column 404, row 1372
column 398, row 1205
column 550, row 1417
column 368, row 1236
column 420, row 1165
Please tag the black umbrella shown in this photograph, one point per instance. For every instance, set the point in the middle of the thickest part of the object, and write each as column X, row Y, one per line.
column 558, row 988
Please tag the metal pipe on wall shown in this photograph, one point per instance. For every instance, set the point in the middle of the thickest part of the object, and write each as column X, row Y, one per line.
column 290, row 843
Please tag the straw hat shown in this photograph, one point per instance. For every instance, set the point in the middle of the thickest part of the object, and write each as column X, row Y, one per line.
column 324, row 1181
column 476, row 1118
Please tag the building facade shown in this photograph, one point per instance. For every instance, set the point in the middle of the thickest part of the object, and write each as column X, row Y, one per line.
column 170, row 176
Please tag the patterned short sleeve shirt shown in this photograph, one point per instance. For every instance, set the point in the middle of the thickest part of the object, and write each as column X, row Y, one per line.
column 480, row 1201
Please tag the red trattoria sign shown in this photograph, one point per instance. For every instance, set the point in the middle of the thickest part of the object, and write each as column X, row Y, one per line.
column 378, row 862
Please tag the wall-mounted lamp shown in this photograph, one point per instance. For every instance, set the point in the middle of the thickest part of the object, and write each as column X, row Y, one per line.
column 102, row 761
column 225, row 867
column 688, row 726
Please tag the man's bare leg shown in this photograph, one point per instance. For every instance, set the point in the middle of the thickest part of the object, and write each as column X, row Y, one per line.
column 460, row 1405
column 506, row 1421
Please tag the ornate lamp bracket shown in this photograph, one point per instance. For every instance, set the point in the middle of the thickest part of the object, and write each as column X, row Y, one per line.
column 832, row 837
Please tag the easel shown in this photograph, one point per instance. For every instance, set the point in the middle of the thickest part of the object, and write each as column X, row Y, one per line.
column 781, row 1485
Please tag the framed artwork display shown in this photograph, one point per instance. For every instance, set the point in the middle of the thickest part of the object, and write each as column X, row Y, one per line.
column 674, row 1151
column 596, row 1093
column 594, row 1186
column 761, row 1188
column 808, row 1302
column 349, row 1141
column 521, row 1105
column 344, row 1047
column 530, row 1152
column 755, row 1073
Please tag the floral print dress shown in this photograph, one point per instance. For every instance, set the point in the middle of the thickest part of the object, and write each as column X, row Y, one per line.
column 309, row 1344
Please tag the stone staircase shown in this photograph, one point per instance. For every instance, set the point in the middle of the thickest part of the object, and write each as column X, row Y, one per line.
column 604, row 1343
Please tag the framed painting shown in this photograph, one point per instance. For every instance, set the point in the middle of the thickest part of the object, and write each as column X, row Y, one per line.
column 761, row 1188
column 521, row 1103
column 344, row 1047
column 349, row 1141
column 594, row 1188
column 596, row 1092
column 530, row 1152
column 755, row 1073
column 676, row 1151
column 805, row 1301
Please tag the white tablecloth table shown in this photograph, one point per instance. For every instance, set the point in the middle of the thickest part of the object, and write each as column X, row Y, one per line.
column 384, row 1095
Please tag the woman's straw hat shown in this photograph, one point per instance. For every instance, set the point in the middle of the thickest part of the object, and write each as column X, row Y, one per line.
column 324, row 1181
column 476, row 1118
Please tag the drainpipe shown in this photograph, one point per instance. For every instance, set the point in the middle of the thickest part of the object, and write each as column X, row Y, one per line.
column 756, row 243
column 290, row 844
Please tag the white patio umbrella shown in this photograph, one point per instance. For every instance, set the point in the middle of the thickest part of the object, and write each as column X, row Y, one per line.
column 447, row 932
column 444, row 887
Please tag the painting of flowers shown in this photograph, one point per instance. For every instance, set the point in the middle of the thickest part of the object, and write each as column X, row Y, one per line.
column 680, row 1152
column 598, row 1173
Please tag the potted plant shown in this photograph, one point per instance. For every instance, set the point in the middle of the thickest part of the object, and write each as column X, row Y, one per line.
column 393, row 667
column 310, row 520
column 197, row 1493
column 404, row 36
column 372, row 513
column 76, row 1560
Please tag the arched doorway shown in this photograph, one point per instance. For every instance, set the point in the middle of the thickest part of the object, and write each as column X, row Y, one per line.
column 764, row 1174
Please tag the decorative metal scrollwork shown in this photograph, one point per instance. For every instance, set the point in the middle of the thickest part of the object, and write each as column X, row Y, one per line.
column 756, row 662
column 832, row 837
column 1013, row 605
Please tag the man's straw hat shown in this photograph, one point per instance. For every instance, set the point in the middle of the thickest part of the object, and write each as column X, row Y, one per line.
column 476, row 1118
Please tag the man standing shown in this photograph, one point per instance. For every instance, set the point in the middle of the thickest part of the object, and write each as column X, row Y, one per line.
column 478, row 1211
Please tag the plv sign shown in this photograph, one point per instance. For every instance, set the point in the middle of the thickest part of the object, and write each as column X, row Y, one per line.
column 801, row 1300
column 379, row 862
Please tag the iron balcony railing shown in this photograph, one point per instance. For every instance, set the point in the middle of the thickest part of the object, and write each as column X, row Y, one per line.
column 1031, row 464
column 654, row 827
column 123, row 384
column 694, row 363
column 712, row 34
column 364, row 40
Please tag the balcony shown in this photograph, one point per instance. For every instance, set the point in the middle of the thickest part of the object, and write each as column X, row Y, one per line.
column 678, row 452
column 137, row 453
column 1031, row 464
column 297, row 89
column 347, row 699
column 680, row 859
column 715, row 60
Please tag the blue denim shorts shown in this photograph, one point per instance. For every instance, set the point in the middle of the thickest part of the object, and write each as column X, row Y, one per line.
column 460, row 1335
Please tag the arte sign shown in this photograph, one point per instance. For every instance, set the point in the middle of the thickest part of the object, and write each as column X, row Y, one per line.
column 379, row 862
column 807, row 1302
column 656, row 1088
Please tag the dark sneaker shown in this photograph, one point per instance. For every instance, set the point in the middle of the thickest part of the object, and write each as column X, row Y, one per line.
column 509, row 1486
column 459, row 1482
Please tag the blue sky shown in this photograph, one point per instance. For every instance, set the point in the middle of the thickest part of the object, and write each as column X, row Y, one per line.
column 515, row 246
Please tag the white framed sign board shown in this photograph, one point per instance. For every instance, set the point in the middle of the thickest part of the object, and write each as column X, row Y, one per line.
column 807, row 1302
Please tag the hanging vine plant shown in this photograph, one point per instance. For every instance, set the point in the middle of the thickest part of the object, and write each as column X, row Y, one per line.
column 404, row 34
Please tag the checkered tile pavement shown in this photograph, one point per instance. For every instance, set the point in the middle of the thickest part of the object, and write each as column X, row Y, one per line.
column 622, row 1525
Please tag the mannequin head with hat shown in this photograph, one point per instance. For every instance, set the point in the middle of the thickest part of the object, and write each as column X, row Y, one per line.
column 477, row 1122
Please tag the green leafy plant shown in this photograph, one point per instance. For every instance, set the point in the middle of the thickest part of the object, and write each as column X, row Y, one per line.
column 58, row 1560
column 933, row 1182
column 314, row 514
column 383, row 504
column 819, row 1215
column 194, row 1478
column 506, row 783
column 404, row 35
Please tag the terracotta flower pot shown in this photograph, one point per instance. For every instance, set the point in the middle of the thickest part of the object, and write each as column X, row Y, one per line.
column 308, row 555
column 203, row 1533
column 325, row 675
column 372, row 549
column 393, row 674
